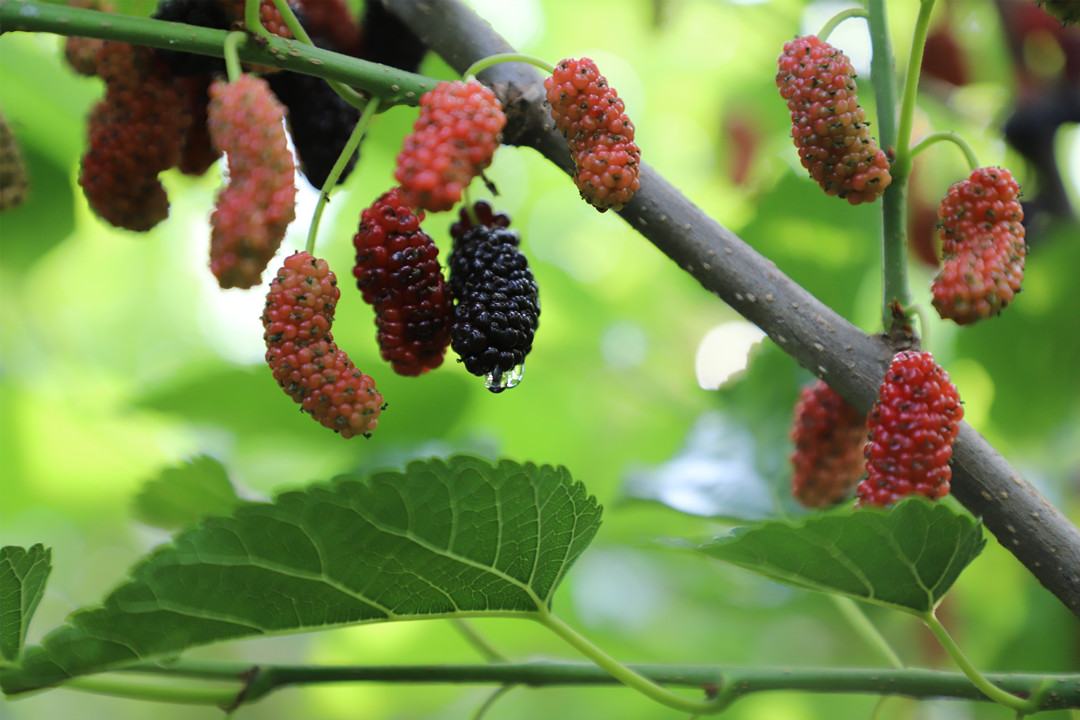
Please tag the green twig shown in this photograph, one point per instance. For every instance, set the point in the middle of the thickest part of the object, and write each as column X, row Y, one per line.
column 232, row 56
column 828, row 27
column 218, row 696
column 951, row 136
column 484, row 63
column 339, row 167
column 972, row 673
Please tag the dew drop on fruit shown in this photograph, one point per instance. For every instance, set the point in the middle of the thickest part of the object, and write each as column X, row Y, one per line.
column 496, row 381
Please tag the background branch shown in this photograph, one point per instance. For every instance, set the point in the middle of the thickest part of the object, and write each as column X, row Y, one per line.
column 851, row 361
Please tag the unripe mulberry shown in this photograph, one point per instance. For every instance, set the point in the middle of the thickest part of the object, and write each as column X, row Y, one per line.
column 592, row 118
column 911, row 430
column 301, row 351
column 135, row 132
column 496, row 303
column 829, row 434
column 398, row 272
column 453, row 140
column 982, row 245
column 255, row 208
column 828, row 125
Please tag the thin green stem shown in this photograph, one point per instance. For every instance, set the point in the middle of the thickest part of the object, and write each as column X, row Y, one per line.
column 232, row 54
column 633, row 679
column 971, row 672
column 828, row 27
column 393, row 86
column 475, row 638
column 484, row 63
column 866, row 629
column 219, row 696
column 894, row 200
column 252, row 20
column 911, row 88
column 339, row 167
column 951, row 136
column 490, row 701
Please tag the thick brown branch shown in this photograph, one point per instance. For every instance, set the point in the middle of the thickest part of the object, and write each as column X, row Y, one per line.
column 1037, row 533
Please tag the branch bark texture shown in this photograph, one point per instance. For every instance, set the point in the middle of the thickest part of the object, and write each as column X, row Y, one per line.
column 851, row 361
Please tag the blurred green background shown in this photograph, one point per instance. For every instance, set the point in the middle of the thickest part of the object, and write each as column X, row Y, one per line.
column 120, row 357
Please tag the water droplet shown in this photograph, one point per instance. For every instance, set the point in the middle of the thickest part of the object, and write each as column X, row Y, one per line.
column 496, row 381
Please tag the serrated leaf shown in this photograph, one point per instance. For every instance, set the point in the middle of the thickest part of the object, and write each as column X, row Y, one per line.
column 23, row 574
column 443, row 538
column 180, row 495
column 906, row 557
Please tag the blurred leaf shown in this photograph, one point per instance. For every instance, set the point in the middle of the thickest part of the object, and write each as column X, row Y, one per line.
column 23, row 574
column 457, row 537
column 181, row 495
column 46, row 217
column 907, row 557
column 734, row 462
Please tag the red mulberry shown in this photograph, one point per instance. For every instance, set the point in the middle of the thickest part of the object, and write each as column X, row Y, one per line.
column 301, row 351
column 982, row 245
column 912, row 427
column 136, row 132
column 496, row 305
column 829, row 435
column 453, row 141
column 828, row 125
column 255, row 208
column 398, row 272
column 592, row 117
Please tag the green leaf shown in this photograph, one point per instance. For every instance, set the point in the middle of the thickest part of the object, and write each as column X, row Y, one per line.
column 180, row 495
column 23, row 574
column 443, row 538
column 907, row 557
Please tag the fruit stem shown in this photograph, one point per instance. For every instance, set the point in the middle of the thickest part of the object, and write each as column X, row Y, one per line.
column 866, row 629
column 252, row 19
column 475, row 638
column 232, row 55
column 977, row 679
column 953, row 137
column 894, row 200
column 633, row 679
column 911, row 90
column 828, row 27
column 339, row 166
column 484, row 63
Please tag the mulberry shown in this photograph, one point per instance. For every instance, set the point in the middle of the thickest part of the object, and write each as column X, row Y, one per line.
column 453, row 141
column 81, row 52
column 829, row 435
column 13, row 183
column 828, row 125
column 301, row 351
column 136, row 132
column 398, row 272
column 483, row 215
column 198, row 152
column 982, row 244
column 331, row 24
column 592, row 117
column 496, row 304
column 911, row 431
column 255, row 208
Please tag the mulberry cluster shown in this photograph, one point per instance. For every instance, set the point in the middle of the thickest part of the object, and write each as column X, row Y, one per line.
column 592, row 117
column 829, row 435
column 453, row 141
column 398, row 272
column 301, row 351
column 982, row 245
column 828, row 125
column 259, row 202
column 496, row 303
column 135, row 132
column 911, row 431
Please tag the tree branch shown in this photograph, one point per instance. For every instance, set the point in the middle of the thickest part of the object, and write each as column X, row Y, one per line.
column 851, row 361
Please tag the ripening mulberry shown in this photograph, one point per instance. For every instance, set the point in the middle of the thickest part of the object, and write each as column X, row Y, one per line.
column 13, row 182
column 81, row 52
column 911, row 430
column 496, row 304
column 828, row 125
column 255, row 208
column 592, row 117
column 331, row 25
column 301, row 351
column 398, row 272
column 982, row 245
column 452, row 141
column 135, row 132
column 829, row 434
